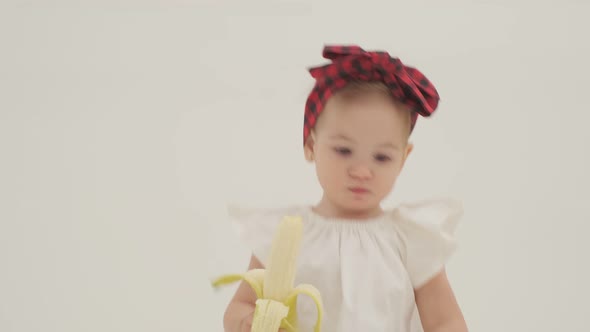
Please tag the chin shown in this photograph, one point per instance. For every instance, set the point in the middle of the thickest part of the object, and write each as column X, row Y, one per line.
column 361, row 206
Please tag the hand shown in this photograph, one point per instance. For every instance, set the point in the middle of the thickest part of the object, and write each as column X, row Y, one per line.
column 247, row 324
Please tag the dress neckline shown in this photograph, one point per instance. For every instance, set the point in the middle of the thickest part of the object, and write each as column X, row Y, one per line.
column 310, row 215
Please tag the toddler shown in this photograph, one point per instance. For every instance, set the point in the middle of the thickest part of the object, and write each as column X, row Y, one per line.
column 377, row 269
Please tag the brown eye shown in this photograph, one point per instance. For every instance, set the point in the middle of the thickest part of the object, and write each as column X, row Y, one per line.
column 382, row 158
column 343, row 151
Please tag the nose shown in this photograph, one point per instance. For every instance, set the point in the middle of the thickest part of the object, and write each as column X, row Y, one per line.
column 360, row 172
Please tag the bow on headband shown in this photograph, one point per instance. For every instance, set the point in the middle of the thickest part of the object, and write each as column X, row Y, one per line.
column 407, row 84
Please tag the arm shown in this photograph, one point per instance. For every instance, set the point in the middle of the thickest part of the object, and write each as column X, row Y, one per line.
column 438, row 308
column 240, row 310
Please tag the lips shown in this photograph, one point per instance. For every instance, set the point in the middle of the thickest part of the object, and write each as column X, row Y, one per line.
column 359, row 190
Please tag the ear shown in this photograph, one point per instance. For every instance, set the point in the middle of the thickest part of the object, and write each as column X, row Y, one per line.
column 409, row 149
column 308, row 148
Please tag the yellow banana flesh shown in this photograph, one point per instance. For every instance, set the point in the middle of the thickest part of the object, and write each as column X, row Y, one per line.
column 268, row 315
column 276, row 304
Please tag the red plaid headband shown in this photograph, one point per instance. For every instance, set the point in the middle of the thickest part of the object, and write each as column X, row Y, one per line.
column 407, row 84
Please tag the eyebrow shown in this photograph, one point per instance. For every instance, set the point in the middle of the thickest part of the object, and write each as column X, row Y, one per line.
column 341, row 136
column 389, row 145
column 346, row 138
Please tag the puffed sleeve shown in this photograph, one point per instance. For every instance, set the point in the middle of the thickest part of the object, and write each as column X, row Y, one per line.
column 256, row 228
column 427, row 233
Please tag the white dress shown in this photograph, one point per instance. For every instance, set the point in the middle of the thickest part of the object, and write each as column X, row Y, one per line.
column 365, row 270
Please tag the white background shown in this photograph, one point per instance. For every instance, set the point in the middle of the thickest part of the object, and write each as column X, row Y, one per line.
column 127, row 127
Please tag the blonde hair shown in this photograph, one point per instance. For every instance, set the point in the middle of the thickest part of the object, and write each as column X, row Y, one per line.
column 357, row 88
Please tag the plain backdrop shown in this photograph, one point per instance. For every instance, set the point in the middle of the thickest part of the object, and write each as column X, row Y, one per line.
column 127, row 127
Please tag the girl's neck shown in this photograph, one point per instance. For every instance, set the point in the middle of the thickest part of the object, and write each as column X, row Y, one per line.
column 329, row 209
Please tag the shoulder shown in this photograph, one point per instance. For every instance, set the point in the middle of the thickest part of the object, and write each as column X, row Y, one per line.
column 427, row 233
column 257, row 226
column 435, row 214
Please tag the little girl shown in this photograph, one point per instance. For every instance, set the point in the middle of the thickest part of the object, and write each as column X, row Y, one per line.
column 378, row 270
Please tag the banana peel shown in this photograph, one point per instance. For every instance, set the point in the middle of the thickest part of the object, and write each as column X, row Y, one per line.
column 276, row 304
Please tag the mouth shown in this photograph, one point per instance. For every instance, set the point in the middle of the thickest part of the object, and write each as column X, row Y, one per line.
column 358, row 190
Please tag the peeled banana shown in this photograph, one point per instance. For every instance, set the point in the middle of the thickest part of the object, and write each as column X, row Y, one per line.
column 276, row 304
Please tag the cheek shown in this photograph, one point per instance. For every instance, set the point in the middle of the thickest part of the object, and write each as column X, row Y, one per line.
column 387, row 177
column 326, row 159
column 330, row 170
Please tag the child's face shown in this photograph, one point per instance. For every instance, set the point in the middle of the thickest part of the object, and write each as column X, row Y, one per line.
column 359, row 147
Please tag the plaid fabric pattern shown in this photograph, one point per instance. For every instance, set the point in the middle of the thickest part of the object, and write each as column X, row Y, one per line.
column 350, row 62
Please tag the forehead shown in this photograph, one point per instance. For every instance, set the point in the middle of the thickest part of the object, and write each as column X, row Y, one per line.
column 370, row 115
